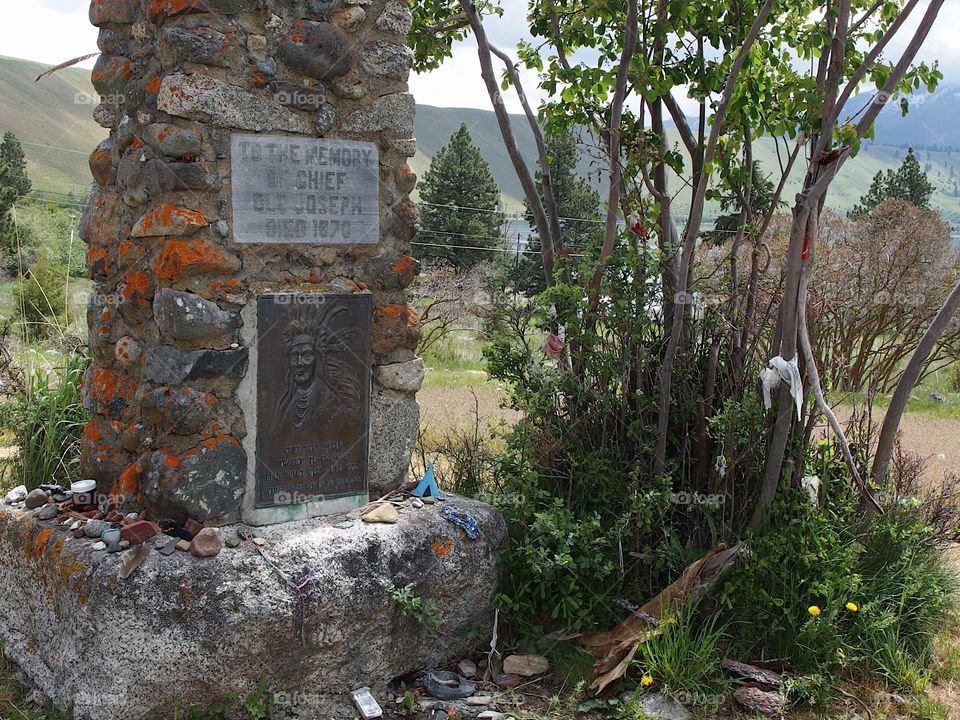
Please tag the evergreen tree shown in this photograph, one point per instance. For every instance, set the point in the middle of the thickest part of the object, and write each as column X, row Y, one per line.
column 13, row 165
column 578, row 205
column 460, row 204
column 762, row 191
column 909, row 182
column 8, row 235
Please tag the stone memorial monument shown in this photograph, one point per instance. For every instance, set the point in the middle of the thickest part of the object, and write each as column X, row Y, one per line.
column 253, row 366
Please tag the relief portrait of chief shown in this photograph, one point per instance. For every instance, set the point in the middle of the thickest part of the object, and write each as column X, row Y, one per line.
column 321, row 382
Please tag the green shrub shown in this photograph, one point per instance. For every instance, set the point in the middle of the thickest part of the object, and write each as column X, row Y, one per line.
column 591, row 527
column 41, row 299
column 48, row 418
column 560, row 569
column 807, row 557
column 953, row 381
column 890, row 568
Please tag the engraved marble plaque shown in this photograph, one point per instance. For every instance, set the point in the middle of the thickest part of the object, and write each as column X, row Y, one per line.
column 290, row 189
column 313, row 397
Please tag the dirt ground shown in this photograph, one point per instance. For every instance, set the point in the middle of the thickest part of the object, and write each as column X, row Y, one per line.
column 936, row 439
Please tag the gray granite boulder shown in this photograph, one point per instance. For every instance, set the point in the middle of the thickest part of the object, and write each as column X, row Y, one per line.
column 188, row 631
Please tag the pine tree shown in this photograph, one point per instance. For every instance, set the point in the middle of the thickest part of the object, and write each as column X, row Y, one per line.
column 8, row 230
column 460, row 204
column 578, row 205
column 762, row 192
column 14, row 165
column 909, row 182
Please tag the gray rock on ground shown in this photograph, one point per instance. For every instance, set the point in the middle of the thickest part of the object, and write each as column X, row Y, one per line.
column 660, row 707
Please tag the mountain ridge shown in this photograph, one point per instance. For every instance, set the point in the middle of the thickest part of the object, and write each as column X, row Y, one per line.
column 53, row 119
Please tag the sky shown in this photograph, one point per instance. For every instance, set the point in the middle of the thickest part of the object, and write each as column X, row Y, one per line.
column 52, row 31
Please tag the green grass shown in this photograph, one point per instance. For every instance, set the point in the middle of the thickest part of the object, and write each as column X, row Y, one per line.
column 683, row 658
column 920, row 402
column 13, row 694
column 926, row 708
column 48, row 422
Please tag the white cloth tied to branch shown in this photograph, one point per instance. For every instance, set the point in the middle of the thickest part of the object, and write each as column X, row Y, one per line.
column 788, row 371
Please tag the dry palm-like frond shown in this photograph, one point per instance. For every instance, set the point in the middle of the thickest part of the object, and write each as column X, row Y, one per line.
column 617, row 648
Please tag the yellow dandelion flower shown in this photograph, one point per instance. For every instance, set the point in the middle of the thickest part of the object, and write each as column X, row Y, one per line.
column 814, row 610
column 671, row 621
column 646, row 681
column 852, row 607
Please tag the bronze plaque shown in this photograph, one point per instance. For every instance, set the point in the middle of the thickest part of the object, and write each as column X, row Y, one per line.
column 313, row 397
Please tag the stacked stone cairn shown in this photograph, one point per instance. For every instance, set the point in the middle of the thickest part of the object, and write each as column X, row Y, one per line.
column 166, row 316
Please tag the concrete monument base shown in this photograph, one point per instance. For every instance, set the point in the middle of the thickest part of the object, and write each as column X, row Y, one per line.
column 186, row 632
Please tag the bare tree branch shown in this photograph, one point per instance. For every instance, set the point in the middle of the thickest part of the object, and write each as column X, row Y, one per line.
column 616, row 170
column 871, row 58
column 546, row 182
column 693, row 230
column 510, row 142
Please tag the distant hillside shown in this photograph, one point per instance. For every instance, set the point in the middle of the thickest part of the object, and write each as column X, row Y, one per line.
column 53, row 120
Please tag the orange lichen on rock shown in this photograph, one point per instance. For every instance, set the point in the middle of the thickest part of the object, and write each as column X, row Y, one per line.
column 169, row 219
column 396, row 312
column 171, row 7
column 91, row 431
column 128, row 252
column 98, row 261
column 441, row 548
column 406, row 264
column 100, row 224
column 108, row 388
column 178, row 258
column 40, row 544
column 394, row 326
column 129, row 483
column 219, row 289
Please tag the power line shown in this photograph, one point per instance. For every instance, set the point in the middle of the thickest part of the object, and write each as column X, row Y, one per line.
column 54, row 147
column 79, row 204
column 523, row 217
column 513, row 216
column 481, row 249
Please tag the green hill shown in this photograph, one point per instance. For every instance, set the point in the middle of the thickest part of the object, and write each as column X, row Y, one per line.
column 53, row 120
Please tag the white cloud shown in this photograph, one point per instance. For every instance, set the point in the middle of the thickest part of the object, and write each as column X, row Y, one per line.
column 51, row 31
column 457, row 83
column 48, row 31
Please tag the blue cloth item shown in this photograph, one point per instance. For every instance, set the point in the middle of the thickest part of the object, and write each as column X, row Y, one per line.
column 464, row 521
